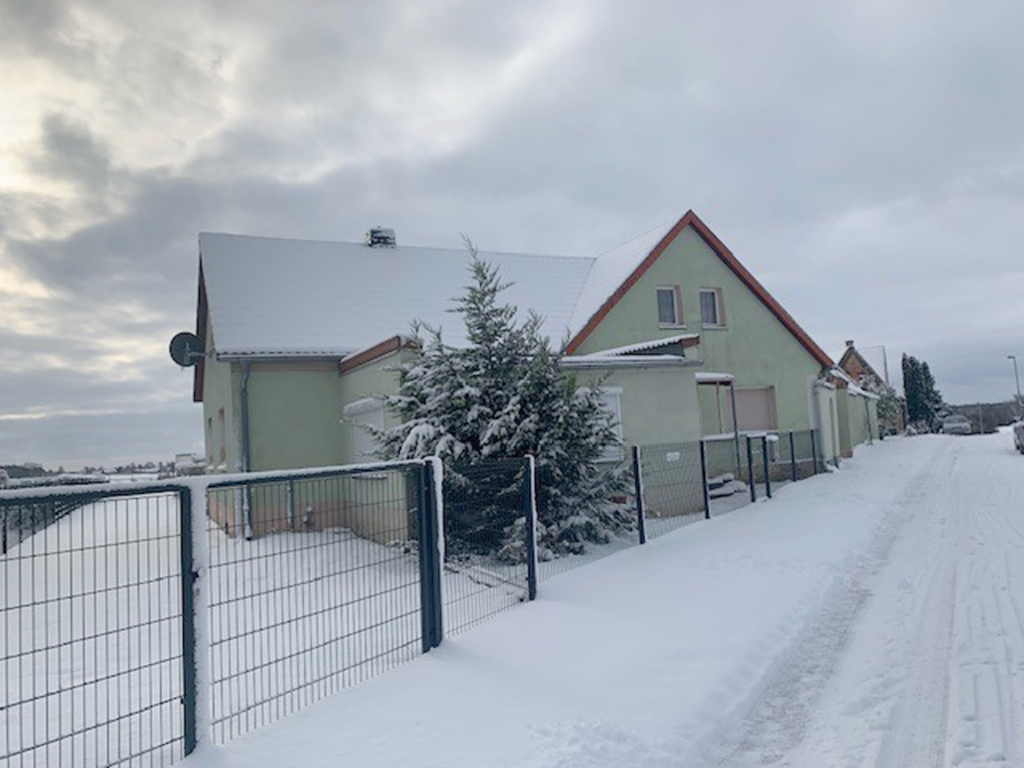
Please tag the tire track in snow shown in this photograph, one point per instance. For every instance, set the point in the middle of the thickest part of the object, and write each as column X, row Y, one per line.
column 775, row 723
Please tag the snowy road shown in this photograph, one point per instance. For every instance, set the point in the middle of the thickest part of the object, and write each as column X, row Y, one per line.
column 871, row 617
column 918, row 657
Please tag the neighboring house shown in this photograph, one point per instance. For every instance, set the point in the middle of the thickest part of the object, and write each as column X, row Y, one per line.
column 301, row 335
column 859, row 368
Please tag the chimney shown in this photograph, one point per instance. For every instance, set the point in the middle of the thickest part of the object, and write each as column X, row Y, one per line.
column 849, row 342
column 380, row 237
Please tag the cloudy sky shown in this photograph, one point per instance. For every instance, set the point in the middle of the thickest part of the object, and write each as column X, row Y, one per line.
column 865, row 160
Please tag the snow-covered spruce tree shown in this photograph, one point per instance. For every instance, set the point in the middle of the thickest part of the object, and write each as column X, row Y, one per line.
column 505, row 395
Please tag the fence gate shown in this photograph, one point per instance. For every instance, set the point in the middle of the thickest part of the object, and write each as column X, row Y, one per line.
column 90, row 600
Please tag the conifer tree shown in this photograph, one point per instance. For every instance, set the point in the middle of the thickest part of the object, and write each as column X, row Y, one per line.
column 505, row 395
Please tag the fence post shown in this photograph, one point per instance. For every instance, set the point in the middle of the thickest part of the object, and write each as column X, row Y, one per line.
column 430, row 562
column 530, row 511
column 750, row 471
column 638, row 482
column 814, row 453
column 792, row 457
column 767, row 469
column 289, row 495
column 704, row 480
column 188, row 624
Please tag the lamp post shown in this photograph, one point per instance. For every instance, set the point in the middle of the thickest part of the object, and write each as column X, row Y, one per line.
column 1016, row 376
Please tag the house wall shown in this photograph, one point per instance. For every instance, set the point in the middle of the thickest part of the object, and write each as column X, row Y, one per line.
column 828, row 445
column 658, row 404
column 845, row 435
column 218, row 394
column 294, row 414
column 754, row 346
column 371, row 380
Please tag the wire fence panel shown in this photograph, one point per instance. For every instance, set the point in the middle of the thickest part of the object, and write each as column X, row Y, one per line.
column 611, row 527
column 486, row 558
column 91, row 641
column 673, row 486
column 315, row 586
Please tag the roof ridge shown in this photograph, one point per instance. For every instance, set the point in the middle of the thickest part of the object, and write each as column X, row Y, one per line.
column 316, row 241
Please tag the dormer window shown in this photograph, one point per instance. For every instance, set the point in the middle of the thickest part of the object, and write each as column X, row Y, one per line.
column 670, row 306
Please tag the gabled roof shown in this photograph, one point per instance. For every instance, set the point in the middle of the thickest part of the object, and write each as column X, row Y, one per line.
column 635, row 262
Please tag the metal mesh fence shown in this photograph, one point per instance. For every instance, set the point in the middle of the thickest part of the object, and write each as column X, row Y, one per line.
column 805, row 453
column 91, row 606
column 315, row 586
column 605, row 530
column 487, row 540
column 673, row 484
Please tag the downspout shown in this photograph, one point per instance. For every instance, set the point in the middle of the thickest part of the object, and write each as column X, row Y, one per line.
column 243, row 397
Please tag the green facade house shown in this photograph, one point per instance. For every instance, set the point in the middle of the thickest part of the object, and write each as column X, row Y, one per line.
column 301, row 337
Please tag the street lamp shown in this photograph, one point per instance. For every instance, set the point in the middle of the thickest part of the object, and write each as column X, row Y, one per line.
column 1016, row 375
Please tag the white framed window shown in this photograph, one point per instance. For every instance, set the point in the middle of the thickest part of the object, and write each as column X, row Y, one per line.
column 362, row 413
column 712, row 313
column 611, row 399
column 670, row 306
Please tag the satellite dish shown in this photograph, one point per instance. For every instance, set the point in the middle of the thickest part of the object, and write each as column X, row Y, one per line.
column 186, row 349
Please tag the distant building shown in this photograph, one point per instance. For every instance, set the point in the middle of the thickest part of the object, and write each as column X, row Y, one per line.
column 856, row 366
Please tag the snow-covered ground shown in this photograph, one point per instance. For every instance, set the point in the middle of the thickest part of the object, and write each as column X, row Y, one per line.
column 869, row 617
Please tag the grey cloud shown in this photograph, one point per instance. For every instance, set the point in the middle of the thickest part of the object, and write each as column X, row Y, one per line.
column 865, row 162
column 71, row 152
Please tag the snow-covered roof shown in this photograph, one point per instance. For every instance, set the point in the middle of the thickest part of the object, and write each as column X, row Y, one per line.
column 646, row 346
column 610, row 269
column 852, row 387
column 710, row 377
column 269, row 296
column 600, row 360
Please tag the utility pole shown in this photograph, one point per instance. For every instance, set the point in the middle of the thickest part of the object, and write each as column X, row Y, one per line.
column 1016, row 376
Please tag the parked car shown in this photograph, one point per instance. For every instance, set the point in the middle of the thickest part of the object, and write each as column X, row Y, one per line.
column 956, row 425
column 1018, row 435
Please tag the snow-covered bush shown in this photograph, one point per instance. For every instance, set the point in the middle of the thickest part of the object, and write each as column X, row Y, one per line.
column 505, row 395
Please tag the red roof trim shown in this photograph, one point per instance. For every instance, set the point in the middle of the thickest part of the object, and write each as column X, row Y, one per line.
column 386, row 347
column 201, row 314
column 690, row 219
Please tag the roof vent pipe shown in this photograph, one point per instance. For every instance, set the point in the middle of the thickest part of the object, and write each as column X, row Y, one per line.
column 380, row 237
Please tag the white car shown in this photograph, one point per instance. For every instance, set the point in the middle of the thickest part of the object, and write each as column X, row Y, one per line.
column 956, row 425
column 1018, row 435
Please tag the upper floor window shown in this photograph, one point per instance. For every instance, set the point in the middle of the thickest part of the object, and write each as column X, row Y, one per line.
column 670, row 306
column 712, row 313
